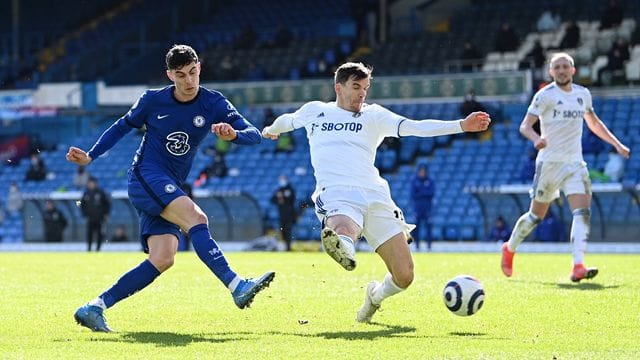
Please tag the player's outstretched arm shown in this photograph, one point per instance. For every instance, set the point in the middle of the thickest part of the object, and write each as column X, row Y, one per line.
column 283, row 123
column 476, row 121
column 78, row 156
column 600, row 129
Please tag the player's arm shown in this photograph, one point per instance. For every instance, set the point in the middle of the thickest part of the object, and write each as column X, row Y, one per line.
column 526, row 129
column 239, row 131
column 106, row 141
column 476, row 121
column 282, row 124
column 600, row 129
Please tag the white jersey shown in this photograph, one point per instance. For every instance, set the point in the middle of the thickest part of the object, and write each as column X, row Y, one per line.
column 561, row 115
column 343, row 144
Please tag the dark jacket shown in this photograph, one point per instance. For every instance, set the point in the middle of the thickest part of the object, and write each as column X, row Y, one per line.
column 54, row 225
column 285, row 199
column 95, row 204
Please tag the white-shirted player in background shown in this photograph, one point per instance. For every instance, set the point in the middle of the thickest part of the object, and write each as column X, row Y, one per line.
column 561, row 107
column 350, row 196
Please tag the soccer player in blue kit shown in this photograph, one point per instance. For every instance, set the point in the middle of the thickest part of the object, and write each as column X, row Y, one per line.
column 176, row 119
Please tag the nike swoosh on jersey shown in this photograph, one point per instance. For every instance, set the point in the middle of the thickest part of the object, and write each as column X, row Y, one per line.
column 162, row 116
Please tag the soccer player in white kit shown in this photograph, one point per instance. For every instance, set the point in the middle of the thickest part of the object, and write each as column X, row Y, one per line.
column 351, row 198
column 560, row 107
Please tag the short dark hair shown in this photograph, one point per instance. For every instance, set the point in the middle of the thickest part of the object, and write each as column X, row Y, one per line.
column 179, row 56
column 357, row 71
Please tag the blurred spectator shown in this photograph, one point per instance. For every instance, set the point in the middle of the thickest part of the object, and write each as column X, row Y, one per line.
column 470, row 104
column 227, row 69
column 614, row 168
column 528, row 169
column 571, row 37
column 506, row 39
column 548, row 21
column 247, row 38
column 614, row 70
column 285, row 143
column 500, row 231
column 95, row 206
column 422, row 193
column 15, row 203
column 37, row 169
column 285, row 199
column 471, row 57
column 222, row 147
column 218, row 168
column 535, row 58
column 119, row 235
column 80, row 177
column 612, row 15
column 54, row 223
column 269, row 116
column 282, row 37
column 550, row 229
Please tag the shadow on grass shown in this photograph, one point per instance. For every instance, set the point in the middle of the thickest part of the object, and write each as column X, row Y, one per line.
column 583, row 286
column 173, row 339
column 386, row 332
column 465, row 334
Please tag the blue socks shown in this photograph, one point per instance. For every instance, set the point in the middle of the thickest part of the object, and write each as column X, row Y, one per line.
column 130, row 283
column 210, row 254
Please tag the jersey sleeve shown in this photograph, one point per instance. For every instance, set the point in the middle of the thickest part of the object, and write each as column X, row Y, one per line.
column 224, row 111
column 301, row 117
column 538, row 104
column 588, row 101
column 134, row 118
column 387, row 121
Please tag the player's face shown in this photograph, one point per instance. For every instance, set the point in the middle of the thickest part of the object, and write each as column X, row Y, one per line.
column 186, row 80
column 351, row 95
column 562, row 71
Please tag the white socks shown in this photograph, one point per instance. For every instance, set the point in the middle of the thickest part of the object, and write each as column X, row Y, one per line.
column 99, row 303
column 527, row 222
column 234, row 283
column 580, row 233
column 385, row 289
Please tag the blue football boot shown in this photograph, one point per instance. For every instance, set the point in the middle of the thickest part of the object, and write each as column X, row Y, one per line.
column 92, row 317
column 247, row 289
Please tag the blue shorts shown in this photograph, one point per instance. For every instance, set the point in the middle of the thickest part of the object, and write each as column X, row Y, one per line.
column 150, row 192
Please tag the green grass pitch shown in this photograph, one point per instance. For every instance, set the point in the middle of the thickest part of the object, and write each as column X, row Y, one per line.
column 308, row 312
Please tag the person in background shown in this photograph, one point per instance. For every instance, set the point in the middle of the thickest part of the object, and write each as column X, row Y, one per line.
column 562, row 108
column 285, row 199
column 54, row 223
column 37, row 168
column 95, row 205
column 422, row 192
column 15, row 202
column 500, row 231
column 81, row 177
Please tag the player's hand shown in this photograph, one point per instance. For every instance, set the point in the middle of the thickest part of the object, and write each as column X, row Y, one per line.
column 78, row 156
column 268, row 135
column 541, row 143
column 623, row 150
column 476, row 121
column 224, row 131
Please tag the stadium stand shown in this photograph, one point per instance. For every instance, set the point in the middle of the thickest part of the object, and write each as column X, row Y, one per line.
column 109, row 38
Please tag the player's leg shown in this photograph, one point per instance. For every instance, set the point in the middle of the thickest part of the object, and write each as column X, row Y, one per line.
column 523, row 227
column 397, row 257
column 183, row 212
column 341, row 214
column 338, row 240
column 579, row 198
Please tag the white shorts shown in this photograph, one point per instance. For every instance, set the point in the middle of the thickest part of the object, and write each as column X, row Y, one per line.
column 551, row 177
column 375, row 212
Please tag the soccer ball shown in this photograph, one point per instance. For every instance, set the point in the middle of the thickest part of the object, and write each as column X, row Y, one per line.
column 463, row 295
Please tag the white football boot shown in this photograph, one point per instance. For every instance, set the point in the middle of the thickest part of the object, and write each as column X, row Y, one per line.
column 368, row 308
column 340, row 248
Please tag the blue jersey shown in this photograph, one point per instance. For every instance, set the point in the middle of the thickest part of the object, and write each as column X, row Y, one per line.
column 174, row 129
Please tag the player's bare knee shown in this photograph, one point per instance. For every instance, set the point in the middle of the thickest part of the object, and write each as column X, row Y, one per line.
column 403, row 277
column 162, row 262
